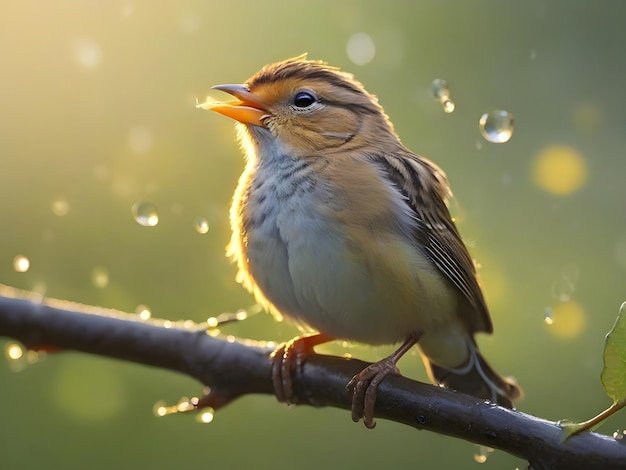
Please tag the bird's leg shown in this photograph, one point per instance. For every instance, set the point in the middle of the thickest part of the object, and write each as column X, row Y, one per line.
column 288, row 358
column 363, row 386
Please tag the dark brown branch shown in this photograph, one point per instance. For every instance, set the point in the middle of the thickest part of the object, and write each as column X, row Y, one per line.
column 232, row 369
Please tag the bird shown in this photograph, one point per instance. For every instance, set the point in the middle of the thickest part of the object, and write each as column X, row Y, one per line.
column 339, row 227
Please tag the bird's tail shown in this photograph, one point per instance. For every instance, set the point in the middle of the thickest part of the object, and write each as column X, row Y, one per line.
column 477, row 378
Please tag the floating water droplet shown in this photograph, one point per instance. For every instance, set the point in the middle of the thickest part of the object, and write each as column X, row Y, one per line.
column 21, row 263
column 497, row 126
column 60, row 207
column 145, row 213
column 100, row 277
column 143, row 311
column 360, row 48
column 548, row 316
column 441, row 92
column 201, row 224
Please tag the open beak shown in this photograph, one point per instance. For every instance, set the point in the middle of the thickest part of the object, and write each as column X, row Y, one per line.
column 247, row 109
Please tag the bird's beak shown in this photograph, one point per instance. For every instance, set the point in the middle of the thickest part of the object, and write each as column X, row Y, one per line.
column 249, row 109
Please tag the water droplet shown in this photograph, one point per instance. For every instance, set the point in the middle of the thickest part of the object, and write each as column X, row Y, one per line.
column 100, row 277
column 241, row 315
column 619, row 435
column 145, row 213
column 206, row 417
column 360, row 48
column 481, row 454
column 201, row 224
column 548, row 316
column 60, row 207
column 21, row 263
column 497, row 126
column 143, row 311
column 441, row 92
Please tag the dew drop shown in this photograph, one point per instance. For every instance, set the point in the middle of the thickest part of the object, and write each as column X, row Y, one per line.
column 441, row 92
column 497, row 126
column 143, row 311
column 212, row 322
column 21, row 263
column 100, row 277
column 241, row 315
column 145, row 213
column 60, row 207
column 201, row 224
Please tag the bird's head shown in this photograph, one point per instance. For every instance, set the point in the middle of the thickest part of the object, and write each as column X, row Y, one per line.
column 306, row 106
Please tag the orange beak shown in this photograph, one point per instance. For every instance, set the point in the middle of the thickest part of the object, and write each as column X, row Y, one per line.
column 248, row 109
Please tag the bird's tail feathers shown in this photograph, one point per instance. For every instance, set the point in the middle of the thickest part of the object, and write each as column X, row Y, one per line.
column 477, row 378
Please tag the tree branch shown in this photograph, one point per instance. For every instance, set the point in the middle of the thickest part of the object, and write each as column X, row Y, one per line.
column 232, row 369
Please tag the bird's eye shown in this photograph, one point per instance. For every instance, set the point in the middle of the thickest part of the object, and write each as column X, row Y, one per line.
column 304, row 99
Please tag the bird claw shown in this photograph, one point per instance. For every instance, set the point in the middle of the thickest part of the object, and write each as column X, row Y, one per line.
column 363, row 388
column 287, row 360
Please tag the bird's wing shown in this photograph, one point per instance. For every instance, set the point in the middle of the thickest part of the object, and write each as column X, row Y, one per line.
column 426, row 190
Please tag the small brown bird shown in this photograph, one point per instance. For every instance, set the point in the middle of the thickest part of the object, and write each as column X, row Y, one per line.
column 341, row 228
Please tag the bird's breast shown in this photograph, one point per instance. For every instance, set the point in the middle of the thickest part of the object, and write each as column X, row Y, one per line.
column 333, row 252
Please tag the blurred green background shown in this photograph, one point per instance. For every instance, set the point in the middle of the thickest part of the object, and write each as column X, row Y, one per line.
column 97, row 114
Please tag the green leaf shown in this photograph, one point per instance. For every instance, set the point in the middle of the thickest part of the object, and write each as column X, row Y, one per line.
column 613, row 374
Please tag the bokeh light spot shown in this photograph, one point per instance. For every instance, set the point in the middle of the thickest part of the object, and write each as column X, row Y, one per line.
column 140, row 139
column 60, row 207
column 87, row 53
column 361, row 49
column 100, row 277
column 560, row 169
column 21, row 263
column 568, row 320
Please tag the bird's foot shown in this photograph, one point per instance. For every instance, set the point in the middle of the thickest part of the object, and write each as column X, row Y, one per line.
column 288, row 359
column 363, row 388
